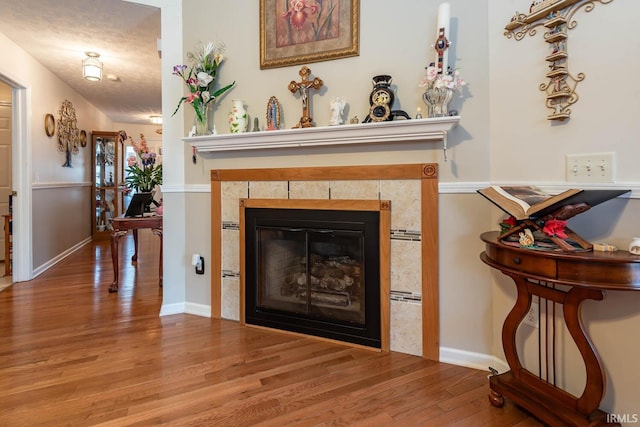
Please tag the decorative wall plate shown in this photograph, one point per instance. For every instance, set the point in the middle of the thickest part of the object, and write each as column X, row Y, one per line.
column 49, row 125
column 83, row 138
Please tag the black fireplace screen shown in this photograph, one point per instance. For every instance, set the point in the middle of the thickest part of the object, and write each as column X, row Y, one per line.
column 314, row 272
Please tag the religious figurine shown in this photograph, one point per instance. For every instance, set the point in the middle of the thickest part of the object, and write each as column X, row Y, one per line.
column 273, row 114
column 337, row 108
column 526, row 238
column 303, row 88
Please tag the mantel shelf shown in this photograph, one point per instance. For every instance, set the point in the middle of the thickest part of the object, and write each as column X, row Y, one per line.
column 425, row 130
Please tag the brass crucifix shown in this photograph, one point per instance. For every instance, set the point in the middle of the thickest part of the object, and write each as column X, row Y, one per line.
column 303, row 87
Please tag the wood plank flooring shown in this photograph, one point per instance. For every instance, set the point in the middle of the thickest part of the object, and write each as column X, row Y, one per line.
column 71, row 354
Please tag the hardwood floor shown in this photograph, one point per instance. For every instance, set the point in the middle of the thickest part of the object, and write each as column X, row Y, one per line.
column 71, row 354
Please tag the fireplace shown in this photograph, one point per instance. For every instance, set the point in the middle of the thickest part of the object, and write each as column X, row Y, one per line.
column 408, row 249
column 314, row 271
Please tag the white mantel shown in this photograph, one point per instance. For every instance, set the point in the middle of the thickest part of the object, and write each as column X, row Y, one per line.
column 423, row 130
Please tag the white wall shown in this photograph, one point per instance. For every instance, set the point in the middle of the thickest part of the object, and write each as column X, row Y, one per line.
column 47, row 94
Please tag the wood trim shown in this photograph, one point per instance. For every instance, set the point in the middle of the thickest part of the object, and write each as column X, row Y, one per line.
column 323, row 173
column 243, row 266
column 426, row 172
column 216, row 249
column 327, row 204
column 430, row 291
column 385, row 275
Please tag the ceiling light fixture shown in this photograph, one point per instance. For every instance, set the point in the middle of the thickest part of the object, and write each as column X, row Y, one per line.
column 92, row 67
column 156, row 120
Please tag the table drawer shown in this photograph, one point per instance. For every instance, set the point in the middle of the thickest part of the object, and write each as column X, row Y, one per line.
column 518, row 260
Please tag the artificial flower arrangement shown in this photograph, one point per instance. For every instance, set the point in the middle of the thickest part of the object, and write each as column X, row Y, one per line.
column 142, row 172
column 433, row 79
column 551, row 227
column 201, row 78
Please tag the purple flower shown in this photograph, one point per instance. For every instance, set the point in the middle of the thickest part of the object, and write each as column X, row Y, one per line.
column 179, row 69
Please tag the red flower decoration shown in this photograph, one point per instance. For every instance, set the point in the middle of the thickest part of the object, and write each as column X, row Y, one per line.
column 555, row 227
column 511, row 221
column 507, row 224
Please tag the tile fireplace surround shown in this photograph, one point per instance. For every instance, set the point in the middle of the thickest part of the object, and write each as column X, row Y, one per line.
column 412, row 303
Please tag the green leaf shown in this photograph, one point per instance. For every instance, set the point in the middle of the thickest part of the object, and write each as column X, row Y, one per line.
column 222, row 90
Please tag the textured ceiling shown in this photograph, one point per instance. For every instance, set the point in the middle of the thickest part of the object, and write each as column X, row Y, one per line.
column 57, row 33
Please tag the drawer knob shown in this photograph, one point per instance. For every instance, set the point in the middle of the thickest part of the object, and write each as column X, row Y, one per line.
column 517, row 261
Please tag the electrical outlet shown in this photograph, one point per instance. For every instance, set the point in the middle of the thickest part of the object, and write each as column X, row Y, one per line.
column 596, row 167
column 531, row 318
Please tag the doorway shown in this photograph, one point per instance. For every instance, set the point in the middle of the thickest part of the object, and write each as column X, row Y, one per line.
column 5, row 186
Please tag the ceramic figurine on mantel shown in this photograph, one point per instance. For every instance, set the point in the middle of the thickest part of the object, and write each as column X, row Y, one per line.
column 337, row 109
column 238, row 120
column 273, row 114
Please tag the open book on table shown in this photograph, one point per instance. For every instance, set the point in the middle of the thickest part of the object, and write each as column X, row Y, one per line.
column 524, row 202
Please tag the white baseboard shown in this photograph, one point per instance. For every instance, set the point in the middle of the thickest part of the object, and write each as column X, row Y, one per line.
column 473, row 360
column 169, row 309
column 47, row 265
column 186, row 307
column 198, row 309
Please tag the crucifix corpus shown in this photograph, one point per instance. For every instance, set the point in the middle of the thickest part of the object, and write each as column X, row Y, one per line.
column 304, row 87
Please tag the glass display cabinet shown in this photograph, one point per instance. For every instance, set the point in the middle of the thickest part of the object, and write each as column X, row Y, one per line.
column 105, row 185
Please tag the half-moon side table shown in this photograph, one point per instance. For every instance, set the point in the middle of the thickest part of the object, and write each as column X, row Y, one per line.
column 581, row 276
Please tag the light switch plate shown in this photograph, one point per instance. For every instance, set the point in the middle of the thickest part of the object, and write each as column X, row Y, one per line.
column 594, row 167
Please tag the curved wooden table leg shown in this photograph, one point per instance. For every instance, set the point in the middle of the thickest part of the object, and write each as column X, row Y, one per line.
column 114, row 259
column 158, row 232
column 134, row 258
column 496, row 399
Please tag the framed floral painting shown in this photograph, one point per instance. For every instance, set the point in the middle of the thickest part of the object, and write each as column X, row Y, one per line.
column 303, row 31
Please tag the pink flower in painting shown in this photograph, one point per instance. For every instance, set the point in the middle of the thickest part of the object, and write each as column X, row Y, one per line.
column 299, row 11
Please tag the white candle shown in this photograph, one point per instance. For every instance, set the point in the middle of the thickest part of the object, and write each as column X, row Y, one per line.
column 444, row 13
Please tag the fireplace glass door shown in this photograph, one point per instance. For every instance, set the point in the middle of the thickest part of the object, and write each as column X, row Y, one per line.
column 314, row 275
column 314, row 272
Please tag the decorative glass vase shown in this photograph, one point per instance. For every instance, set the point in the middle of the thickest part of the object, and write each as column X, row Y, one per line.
column 238, row 119
column 437, row 100
column 202, row 121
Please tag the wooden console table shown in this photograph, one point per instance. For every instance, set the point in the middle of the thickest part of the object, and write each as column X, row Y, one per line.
column 121, row 226
column 581, row 276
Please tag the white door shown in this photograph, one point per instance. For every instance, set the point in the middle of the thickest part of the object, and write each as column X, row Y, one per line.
column 5, row 166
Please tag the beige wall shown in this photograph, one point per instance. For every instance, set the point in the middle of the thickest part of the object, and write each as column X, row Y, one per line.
column 503, row 137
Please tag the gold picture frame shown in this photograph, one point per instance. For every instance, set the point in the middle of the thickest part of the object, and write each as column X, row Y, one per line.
column 332, row 26
column 49, row 125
